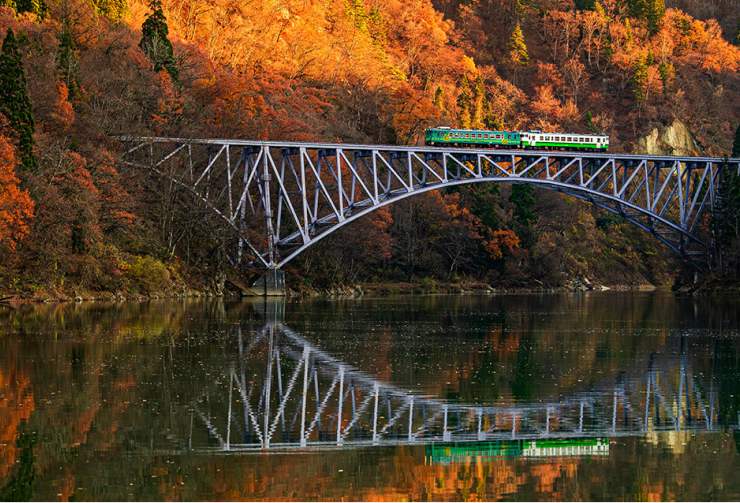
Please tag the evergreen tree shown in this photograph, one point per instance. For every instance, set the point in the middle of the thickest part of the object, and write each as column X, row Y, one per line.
column 589, row 122
column 639, row 79
column 489, row 121
column 726, row 216
column 439, row 98
column 667, row 72
column 376, row 26
column 154, row 41
column 655, row 10
column 10, row 4
column 67, row 62
column 37, row 7
column 585, row 4
column 14, row 102
column 495, row 123
column 356, row 12
column 478, row 113
column 463, row 102
column 115, row 10
column 522, row 196
column 650, row 61
column 628, row 27
column 518, row 47
column 736, row 143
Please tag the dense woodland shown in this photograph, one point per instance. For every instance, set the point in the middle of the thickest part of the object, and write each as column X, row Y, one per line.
column 76, row 74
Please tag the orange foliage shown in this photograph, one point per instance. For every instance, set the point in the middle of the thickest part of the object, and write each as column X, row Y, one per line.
column 500, row 242
column 16, row 206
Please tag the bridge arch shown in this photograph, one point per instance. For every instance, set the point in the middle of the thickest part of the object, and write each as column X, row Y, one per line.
column 301, row 193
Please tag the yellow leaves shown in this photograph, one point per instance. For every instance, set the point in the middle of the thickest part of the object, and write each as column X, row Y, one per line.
column 468, row 65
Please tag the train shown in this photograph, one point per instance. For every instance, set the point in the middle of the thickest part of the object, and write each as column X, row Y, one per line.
column 440, row 136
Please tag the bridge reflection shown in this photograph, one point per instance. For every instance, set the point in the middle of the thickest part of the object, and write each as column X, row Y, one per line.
column 280, row 392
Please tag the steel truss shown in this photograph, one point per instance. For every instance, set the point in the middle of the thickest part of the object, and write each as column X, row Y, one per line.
column 296, row 396
column 294, row 194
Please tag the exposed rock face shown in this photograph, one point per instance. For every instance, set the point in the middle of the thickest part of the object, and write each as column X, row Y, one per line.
column 669, row 140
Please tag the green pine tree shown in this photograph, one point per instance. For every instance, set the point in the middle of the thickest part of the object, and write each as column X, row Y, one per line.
column 14, row 102
column 37, row 7
column 154, row 41
column 589, row 122
column 479, row 95
column 522, row 196
column 10, row 4
column 650, row 61
column 655, row 10
column 585, row 4
column 355, row 10
column 639, row 79
column 439, row 98
column 463, row 102
column 628, row 27
column 518, row 47
column 114, row 10
column 488, row 118
column 377, row 27
column 67, row 62
column 736, row 143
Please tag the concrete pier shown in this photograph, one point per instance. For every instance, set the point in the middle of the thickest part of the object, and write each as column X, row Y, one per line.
column 270, row 284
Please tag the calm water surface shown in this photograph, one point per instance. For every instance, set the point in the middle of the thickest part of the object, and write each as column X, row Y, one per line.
column 608, row 396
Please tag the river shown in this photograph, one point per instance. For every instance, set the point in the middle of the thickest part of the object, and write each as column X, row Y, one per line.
column 587, row 396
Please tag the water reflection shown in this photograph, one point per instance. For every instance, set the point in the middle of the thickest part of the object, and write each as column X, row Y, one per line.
column 279, row 391
column 524, row 397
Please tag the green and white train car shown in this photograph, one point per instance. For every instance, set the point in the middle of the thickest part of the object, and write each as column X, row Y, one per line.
column 568, row 141
column 441, row 136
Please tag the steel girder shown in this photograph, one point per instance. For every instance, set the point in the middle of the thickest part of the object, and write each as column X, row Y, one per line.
column 282, row 197
column 285, row 392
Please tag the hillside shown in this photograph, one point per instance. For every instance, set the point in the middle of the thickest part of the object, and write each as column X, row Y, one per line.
column 76, row 222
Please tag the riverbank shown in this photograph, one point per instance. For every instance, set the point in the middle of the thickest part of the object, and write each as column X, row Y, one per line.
column 425, row 287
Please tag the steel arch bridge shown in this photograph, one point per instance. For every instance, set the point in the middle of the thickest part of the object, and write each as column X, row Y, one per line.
column 299, row 193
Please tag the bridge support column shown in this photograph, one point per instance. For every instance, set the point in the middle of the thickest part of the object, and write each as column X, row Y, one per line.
column 270, row 284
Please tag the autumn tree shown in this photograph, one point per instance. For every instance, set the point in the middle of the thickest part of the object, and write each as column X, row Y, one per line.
column 16, row 206
column 154, row 41
column 14, row 102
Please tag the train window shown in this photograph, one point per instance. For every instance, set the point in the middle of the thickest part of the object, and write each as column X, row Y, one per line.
column 467, row 135
column 485, row 136
column 480, row 135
